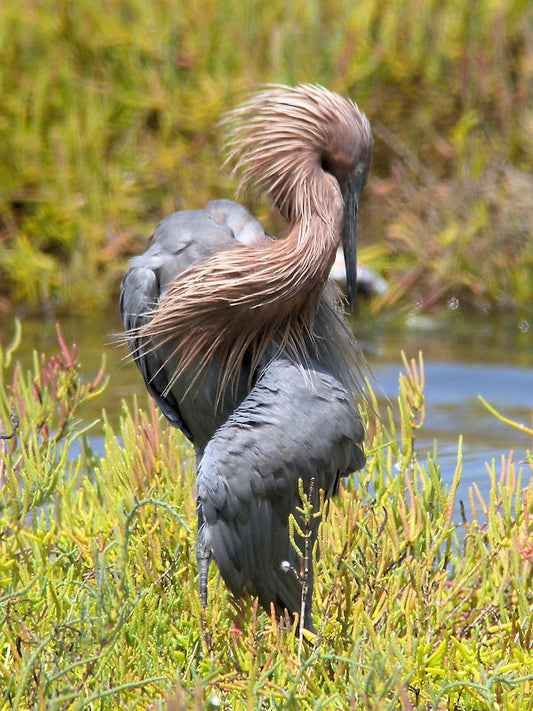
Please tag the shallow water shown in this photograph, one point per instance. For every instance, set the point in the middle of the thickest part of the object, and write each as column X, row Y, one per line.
column 465, row 356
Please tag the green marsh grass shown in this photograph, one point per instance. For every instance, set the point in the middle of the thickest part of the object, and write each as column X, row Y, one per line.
column 109, row 113
column 421, row 601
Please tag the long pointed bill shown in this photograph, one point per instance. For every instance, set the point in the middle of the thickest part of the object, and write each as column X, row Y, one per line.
column 349, row 237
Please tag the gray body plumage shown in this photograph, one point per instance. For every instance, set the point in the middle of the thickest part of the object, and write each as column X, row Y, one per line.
column 180, row 241
column 293, row 425
column 289, row 419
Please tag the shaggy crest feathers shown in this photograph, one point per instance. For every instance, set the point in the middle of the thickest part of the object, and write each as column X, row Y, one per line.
column 241, row 299
column 281, row 137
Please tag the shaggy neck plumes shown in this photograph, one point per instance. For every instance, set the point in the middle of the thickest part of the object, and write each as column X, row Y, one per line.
column 242, row 299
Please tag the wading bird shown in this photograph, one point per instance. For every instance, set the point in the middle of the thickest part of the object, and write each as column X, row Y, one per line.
column 243, row 347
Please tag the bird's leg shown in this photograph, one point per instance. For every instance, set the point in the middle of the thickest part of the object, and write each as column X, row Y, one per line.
column 203, row 555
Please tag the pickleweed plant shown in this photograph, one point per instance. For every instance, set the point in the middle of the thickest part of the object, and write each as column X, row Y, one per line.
column 39, row 410
column 110, row 118
column 421, row 600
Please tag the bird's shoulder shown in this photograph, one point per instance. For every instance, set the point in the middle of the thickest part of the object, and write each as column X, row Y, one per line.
column 179, row 241
column 190, row 236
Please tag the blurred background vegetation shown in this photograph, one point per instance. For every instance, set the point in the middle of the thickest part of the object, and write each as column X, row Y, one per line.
column 108, row 122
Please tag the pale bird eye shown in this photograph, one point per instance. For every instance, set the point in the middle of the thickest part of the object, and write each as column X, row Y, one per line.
column 359, row 169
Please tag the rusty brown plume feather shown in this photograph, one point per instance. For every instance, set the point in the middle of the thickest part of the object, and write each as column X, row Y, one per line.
column 241, row 299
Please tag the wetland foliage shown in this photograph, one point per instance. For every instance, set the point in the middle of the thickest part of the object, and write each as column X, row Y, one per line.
column 99, row 603
column 108, row 122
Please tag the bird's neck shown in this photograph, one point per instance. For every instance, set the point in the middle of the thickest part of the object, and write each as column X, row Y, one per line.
column 313, row 240
column 242, row 299
column 282, row 281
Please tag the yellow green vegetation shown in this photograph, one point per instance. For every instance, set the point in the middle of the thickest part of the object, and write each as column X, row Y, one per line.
column 99, row 605
column 108, row 122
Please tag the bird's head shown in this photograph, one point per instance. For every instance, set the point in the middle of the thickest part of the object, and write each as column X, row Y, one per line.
column 350, row 164
column 347, row 157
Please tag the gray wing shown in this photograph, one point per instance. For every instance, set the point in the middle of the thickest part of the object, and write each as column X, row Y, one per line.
column 293, row 424
column 178, row 242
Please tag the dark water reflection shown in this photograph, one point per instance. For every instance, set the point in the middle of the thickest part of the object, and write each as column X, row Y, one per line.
column 464, row 357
